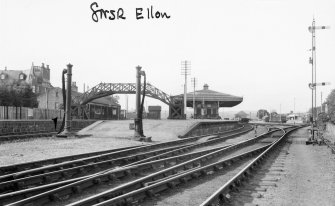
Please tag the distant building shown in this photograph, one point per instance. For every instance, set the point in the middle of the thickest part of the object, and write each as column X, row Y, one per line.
column 38, row 77
column 154, row 112
column 49, row 97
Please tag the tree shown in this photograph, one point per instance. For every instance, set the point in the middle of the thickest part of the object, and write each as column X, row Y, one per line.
column 18, row 97
column 331, row 104
column 28, row 98
column 261, row 113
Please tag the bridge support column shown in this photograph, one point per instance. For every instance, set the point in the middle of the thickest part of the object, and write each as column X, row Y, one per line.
column 176, row 111
column 138, row 120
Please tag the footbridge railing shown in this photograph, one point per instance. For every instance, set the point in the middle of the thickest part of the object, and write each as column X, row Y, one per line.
column 105, row 89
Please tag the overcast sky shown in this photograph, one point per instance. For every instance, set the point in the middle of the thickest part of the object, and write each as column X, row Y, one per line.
column 257, row 49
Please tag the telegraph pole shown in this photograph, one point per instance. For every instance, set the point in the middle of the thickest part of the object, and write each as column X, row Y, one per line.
column 280, row 112
column 126, row 106
column 321, row 102
column 194, row 81
column 185, row 70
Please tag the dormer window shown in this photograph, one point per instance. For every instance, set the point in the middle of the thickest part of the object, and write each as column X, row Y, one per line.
column 22, row 76
column 2, row 76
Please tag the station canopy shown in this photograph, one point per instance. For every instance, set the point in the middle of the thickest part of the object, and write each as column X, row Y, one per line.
column 206, row 95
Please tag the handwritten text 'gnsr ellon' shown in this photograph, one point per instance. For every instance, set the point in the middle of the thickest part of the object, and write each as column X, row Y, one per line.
column 119, row 14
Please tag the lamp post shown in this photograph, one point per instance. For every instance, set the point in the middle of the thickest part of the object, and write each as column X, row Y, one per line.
column 194, row 81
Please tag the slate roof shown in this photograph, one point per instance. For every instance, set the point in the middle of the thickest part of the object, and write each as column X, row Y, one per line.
column 225, row 100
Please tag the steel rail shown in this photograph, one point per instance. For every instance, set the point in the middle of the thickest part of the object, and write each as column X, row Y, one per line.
column 85, row 162
column 68, row 190
column 47, row 177
column 136, row 184
column 121, row 151
column 220, row 195
column 13, row 168
column 7, row 169
column 101, row 157
column 210, row 141
column 120, row 173
column 149, row 191
column 16, row 181
column 30, row 179
column 12, row 137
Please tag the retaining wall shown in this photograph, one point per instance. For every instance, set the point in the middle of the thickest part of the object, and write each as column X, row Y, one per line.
column 330, row 132
column 12, row 127
column 210, row 127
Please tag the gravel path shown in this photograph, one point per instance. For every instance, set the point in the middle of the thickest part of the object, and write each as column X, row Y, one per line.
column 106, row 135
column 308, row 179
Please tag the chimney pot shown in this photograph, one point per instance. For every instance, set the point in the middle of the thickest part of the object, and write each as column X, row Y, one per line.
column 205, row 86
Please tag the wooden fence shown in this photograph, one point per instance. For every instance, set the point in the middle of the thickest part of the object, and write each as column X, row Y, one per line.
column 7, row 112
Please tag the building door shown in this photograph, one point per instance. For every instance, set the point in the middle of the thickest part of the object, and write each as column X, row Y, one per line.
column 209, row 112
column 198, row 111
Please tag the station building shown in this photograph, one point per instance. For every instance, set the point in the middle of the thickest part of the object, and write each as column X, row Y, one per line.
column 208, row 102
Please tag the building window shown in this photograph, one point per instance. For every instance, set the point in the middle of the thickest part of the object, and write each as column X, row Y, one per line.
column 21, row 76
column 56, row 93
column 3, row 76
column 56, row 105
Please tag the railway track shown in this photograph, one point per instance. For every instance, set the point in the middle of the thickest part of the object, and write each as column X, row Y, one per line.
column 98, row 160
column 20, row 136
column 24, row 184
column 133, row 175
column 14, row 168
column 224, row 194
column 148, row 186
column 246, row 159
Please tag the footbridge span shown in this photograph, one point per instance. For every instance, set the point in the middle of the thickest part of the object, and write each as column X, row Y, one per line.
column 80, row 110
